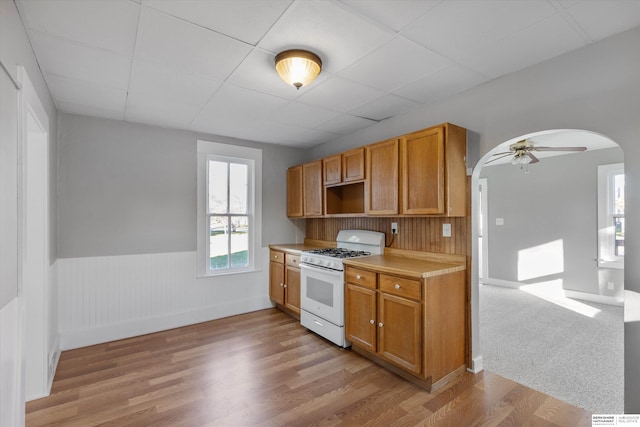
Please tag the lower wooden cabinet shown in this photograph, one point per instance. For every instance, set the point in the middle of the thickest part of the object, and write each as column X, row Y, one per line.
column 284, row 280
column 417, row 325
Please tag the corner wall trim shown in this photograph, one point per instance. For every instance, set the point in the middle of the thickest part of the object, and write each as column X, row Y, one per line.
column 476, row 365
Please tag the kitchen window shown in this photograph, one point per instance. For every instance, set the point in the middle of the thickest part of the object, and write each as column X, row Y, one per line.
column 611, row 215
column 228, row 208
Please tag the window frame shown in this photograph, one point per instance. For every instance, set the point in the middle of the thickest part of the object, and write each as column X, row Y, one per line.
column 252, row 157
column 606, row 217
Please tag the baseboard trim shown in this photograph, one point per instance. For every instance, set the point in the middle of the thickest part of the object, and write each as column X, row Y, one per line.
column 476, row 365
column 112, row 332
column 585, row 296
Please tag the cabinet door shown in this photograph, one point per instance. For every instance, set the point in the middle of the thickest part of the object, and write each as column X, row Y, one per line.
column 353, row 165
column 292, row 289
column 312, row 190
column 332, row 169
column 294, row 192
column 276, row 282
column 360, row 316
column 382, row 169
column 399, row 332
column 422, row 159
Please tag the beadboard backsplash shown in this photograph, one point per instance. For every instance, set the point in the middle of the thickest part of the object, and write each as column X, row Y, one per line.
column 416, row 234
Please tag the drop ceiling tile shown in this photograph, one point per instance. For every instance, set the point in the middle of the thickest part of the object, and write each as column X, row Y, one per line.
column 166, row 88
column 258, row 72
column 89, row 22
column 385, row 107
column 603, row 19
column 340, row 95
column 83, row 93
column 394, row 65
column 141, row 110
column 69, row 59
column 395, row 15
column 345, row 124
column 186, row 47
column 86, row 110
column 528, row 47
column 303, row 115
column 246, row 20
column 337, row 35
column 233, row 107
column 457, row 29
column 441, row 84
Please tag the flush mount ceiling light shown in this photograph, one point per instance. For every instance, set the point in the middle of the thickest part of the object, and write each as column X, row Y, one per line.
column 298, row 67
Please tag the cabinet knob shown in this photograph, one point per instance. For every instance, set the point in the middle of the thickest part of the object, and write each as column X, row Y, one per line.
column 397, row 286
column 281, row 284
column 372, row 321
column 275, row 257
column 380, row 325
column 285, row 286
column 358, row 276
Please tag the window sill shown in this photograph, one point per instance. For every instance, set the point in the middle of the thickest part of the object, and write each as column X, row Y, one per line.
column 611, row 264
column 227, row 273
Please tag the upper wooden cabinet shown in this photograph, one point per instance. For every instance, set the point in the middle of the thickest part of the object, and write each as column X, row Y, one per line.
column 421, row 173
column 434, row 174
column 344, row 167
column 304, row 190
column 381, row 197
column 312, row 188
column 294, row 192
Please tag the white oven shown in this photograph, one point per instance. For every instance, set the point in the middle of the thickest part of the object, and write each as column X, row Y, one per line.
column 322, row 292
column 322, row 282
column 322, row 302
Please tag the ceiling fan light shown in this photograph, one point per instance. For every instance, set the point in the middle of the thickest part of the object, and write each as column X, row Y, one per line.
column 298, row 67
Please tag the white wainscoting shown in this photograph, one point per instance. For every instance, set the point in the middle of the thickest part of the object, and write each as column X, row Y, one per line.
column 11, row 403
column 107, row 298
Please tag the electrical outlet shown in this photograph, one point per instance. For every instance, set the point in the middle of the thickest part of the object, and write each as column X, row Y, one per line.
column 446, row 230
column 394, row 228
column 610, row 285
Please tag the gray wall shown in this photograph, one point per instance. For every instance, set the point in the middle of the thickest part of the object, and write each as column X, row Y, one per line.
column 595, row 88
column 127, row 188
column 555, row 200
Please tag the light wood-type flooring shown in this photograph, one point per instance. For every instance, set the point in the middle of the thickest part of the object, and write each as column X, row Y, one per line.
column 263, row 368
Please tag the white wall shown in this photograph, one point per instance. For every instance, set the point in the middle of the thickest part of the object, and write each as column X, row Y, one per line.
column 15, row 50
column 553, row 207
column 595, row 88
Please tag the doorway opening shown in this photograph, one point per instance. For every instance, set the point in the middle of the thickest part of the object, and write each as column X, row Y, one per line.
column 540, row 223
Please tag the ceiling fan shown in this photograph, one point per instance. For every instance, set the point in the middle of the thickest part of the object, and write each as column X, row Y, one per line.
column 522, row 152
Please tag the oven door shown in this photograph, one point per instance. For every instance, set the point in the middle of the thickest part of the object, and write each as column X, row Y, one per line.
column 322, row 293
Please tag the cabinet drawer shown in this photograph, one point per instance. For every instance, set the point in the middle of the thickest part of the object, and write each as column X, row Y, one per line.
column 360, row 277
column 293, row 260
column 400, row 286
column 277, row 256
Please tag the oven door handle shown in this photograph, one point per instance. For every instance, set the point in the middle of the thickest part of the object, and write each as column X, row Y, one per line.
column 320, row 270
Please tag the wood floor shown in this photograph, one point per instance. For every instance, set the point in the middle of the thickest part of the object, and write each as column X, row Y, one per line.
column 263, row 368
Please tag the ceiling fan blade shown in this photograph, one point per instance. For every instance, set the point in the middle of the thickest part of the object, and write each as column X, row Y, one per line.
column 498, row 158
column 558, row 148
column 499, row 154
column 533, row 158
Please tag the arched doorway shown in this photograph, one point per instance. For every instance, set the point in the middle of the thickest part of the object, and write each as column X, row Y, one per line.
column 545, row 225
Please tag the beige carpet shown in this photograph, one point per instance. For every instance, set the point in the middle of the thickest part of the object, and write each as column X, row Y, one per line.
column 569, row 349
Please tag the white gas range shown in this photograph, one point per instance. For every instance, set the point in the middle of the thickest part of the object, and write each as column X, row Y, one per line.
column 322, row 282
